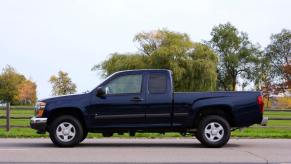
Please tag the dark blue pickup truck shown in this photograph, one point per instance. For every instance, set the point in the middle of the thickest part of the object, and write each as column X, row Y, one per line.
column 143, row 101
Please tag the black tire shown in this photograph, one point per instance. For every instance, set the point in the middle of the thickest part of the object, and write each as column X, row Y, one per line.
column 107, row 134
column 213, row 137
column 85, row 134
column 73, row 125
column 197, row 137
column 131, row 134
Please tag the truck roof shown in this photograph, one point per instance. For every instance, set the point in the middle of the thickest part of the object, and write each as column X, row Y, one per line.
column 145, row 70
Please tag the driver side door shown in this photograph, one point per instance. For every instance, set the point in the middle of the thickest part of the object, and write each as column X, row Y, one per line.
column 123, row 105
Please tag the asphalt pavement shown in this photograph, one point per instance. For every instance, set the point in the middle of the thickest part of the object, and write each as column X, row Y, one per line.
column 127, row 151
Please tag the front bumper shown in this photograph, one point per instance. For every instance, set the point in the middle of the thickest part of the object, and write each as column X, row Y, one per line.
column 264, row 121
column 38, row 124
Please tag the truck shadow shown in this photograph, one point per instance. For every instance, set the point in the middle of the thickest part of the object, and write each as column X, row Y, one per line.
column 97, row 144
column 111, row 145
column 147, row 145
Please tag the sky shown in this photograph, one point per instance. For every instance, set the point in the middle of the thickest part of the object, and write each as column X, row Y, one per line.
column 39, row 38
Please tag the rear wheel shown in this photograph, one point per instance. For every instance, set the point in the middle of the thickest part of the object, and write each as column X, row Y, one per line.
column 66, row 131
column 213, row 131
column 131, row 134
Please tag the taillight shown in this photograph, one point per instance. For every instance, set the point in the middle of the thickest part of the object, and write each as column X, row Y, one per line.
column 261, row 103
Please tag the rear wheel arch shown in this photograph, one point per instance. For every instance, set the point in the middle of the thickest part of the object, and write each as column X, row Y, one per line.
column 220, row 110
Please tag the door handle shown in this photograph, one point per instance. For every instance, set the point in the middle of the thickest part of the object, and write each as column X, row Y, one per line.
column 137, row 99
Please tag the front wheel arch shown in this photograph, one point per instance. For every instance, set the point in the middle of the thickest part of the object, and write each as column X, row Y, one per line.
column 72, row 111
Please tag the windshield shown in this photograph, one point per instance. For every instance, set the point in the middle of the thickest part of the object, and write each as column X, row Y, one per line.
column 108, row 77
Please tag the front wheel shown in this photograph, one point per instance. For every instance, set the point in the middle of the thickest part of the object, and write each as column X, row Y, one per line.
column 66, row 131
column 85, row 134
column 213, row 131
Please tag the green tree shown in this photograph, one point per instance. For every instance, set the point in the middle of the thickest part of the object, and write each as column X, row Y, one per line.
column 237, row 55
column 9, row 84
column 193, row 64
column 62, row 84
column 118, row 62
column 278, row 53
column 262, row 75
column 200, row 70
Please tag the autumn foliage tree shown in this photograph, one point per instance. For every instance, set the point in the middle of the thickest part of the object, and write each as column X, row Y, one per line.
column 26, row 92
column 287, row 71
column 15, row 88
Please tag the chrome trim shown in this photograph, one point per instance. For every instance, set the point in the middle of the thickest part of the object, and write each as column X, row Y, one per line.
column 264, row 121
column 214, row 132
column 158, row 115
column 119, row 116
column 66, row 132
column 181, row 114
column 35, row 120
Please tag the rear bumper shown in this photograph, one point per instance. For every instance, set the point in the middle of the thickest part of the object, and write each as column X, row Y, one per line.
column 38, row 124
column 264, row 121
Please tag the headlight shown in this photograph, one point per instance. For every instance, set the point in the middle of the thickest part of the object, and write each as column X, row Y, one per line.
column 39, row 109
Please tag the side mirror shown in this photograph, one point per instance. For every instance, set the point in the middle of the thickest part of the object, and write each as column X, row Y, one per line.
column 100, row 92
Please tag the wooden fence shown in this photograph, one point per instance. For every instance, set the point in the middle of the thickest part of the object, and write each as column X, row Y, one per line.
column 8, row 116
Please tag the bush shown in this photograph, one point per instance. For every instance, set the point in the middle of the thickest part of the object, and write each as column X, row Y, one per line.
column 278, row 102
column 284, row 102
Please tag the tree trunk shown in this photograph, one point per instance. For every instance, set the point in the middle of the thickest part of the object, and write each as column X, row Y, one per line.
column 224, row 86
column 233, row 84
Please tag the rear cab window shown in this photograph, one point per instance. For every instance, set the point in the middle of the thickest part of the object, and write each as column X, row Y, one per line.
column 157, row 83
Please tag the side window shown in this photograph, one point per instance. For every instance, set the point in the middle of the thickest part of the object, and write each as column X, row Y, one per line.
column 157, row 83
column 124, row 84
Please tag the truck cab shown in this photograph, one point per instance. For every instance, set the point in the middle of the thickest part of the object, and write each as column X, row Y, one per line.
column 132, row 99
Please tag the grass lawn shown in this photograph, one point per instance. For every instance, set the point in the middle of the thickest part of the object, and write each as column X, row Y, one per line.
column 275, row 128
column 18, row 113
column 278, row 114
